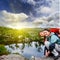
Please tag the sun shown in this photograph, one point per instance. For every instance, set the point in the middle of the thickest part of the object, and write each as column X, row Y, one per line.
column 16, row 27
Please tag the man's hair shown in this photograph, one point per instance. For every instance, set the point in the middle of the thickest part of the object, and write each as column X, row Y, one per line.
column 46, row 30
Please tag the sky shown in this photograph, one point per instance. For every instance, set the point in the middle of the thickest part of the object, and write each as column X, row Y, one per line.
column 30, row 13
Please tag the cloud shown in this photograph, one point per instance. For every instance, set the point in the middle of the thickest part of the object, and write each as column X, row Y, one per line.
column 40, row 20
column 46, row 10
column 49, row 21
column 7, row 18
column 35, row 7
column 12, row 17
column 31, row 2
column 54, row 16
column 54, row 20
column 47, row 7
column 55, row 5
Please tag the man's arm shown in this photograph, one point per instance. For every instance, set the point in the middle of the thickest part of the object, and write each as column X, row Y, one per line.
column 54, row 39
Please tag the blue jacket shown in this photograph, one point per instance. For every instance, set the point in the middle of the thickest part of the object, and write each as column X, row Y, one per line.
column 53, row 38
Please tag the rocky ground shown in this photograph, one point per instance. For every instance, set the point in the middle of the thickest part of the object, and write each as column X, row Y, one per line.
column 19, row 57
column 12, row 57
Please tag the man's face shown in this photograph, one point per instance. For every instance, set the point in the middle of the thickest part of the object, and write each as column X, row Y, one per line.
column 46, row 33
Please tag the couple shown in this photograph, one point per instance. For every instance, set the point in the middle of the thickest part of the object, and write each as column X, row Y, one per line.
column 52, row 43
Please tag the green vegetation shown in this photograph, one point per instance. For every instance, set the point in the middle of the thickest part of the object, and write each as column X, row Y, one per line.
column 10, row 36
column 3, row 50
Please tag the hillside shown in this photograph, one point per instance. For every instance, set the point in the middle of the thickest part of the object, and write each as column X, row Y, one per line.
column 17, row 36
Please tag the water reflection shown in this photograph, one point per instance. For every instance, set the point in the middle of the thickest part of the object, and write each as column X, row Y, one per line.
column 27, row 49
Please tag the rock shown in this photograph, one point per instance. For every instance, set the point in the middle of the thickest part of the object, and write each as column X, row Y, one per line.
column 12, row 57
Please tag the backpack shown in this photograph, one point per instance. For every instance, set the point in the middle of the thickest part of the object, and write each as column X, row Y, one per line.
column 56, row 30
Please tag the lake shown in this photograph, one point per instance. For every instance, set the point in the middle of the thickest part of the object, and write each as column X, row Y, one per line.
column 27, row 49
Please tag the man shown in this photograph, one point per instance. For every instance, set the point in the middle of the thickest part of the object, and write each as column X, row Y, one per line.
column 58, row 42
column 50, row 42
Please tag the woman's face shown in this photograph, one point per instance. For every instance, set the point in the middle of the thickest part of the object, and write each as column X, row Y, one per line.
column 44, row 33
column 41, row 34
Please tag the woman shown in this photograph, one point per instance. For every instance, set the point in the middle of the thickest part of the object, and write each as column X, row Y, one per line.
column 44, row 34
